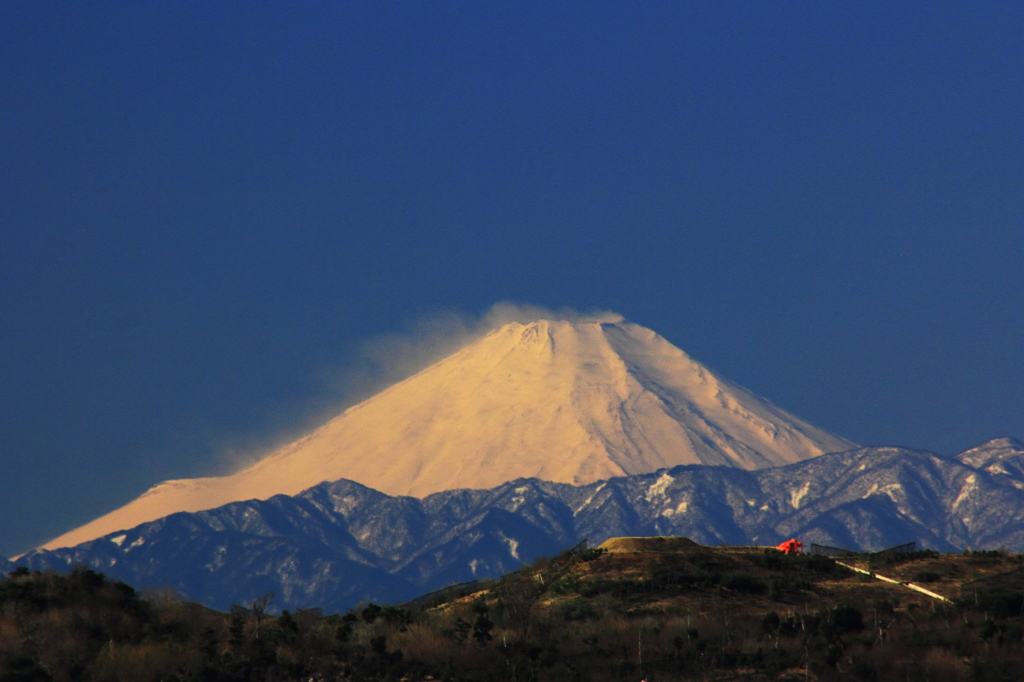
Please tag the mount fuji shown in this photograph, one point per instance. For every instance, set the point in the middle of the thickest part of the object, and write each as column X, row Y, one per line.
column 569, row 402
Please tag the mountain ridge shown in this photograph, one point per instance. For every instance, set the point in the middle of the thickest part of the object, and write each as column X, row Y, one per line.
column 341, row 542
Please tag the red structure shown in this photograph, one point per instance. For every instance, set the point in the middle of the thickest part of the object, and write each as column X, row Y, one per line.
column 791, row 547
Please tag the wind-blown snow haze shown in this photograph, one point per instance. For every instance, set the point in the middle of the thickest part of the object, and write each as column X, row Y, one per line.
column 386, row 359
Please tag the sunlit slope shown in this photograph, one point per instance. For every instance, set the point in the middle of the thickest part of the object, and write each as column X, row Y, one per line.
column 572, row 402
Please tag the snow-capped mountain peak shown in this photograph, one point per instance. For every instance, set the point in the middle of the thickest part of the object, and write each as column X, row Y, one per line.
column 563, row 401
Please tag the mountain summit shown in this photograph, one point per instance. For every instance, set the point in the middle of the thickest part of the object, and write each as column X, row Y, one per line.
column 572, row 402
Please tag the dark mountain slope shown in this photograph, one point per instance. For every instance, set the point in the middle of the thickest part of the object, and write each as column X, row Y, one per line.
column 339, row 543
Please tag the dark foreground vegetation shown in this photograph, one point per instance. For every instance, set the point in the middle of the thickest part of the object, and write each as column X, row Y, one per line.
column 703, row 614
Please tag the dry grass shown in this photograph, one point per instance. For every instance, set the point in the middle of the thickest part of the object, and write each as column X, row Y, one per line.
column 142, row 663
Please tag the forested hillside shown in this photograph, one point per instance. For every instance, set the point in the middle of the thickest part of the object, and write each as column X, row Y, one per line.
column 658, row 611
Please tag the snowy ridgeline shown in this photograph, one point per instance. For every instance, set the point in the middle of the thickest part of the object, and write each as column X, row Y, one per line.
column 340, row 543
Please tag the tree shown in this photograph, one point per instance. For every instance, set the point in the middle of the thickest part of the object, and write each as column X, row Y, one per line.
column 259, row 608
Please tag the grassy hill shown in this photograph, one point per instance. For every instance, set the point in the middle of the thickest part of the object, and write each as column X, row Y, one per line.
column 635, row 608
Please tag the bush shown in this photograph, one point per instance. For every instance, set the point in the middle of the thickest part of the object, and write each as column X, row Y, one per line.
column 590, row 554
column 847, row 619
column 775, row 560
column 739, row 582
column 578, row 610
column 984, row 669
column 1000, row 603
column 926, row 577
column 863, row 669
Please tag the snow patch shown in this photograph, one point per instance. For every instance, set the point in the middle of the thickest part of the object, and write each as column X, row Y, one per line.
column 519, row 500
column 219, row 559
column 138, row 542
column 513, row 545
column 118, row 539
column 887, row 490
column 473, row 566
column 591, row 498
column 659, row 487
column 797, row 496
column 970, row 485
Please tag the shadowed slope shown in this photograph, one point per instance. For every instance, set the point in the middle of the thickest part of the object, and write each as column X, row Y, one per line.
column 341, row 542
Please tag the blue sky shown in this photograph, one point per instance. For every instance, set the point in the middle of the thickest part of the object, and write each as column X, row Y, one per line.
column 207, row 209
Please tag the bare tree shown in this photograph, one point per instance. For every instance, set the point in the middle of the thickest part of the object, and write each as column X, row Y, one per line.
column 519, row 596
column 259, row 608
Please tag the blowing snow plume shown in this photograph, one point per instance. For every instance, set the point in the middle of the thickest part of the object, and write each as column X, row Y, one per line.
column 566, row 400
column 378, row 363
column 389, row 358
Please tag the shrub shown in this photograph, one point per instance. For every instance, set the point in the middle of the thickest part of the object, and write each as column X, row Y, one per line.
column 740, row 582
column 1001, row 603
column 984, row 669
column 863, row 669
column 926, row 577
column 847, row 619
column 578, row 610
column 371, row 612
column 773, row 559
